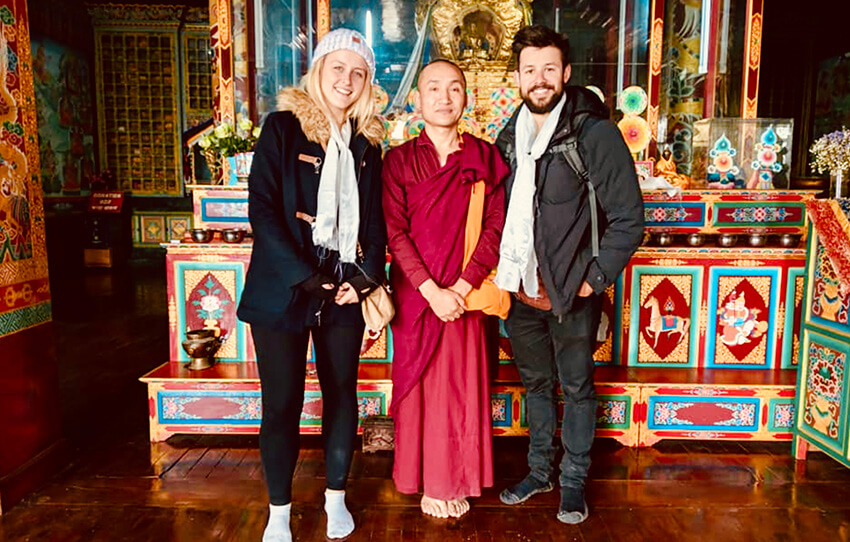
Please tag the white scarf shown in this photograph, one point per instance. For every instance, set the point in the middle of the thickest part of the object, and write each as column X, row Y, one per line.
column 338, row 209
column 517, row 258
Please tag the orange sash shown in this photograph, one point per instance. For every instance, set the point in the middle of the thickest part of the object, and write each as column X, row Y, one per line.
column 487, row 298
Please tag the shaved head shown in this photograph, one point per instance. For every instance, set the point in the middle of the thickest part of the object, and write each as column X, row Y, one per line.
column 439, row 62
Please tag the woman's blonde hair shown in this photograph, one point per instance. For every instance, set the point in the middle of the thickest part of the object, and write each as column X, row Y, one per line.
column 362, row 110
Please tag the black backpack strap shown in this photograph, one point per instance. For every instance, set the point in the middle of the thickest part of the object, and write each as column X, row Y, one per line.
column 569, row 148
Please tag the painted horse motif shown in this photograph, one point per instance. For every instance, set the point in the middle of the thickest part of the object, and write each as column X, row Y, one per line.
column 659, row 324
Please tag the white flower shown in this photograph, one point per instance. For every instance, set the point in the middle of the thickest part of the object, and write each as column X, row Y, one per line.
column 245, row 125
column 206, row 142
column 210, row 303
column 223, row 130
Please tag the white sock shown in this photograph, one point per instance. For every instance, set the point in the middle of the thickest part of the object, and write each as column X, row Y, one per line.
column 277, row 529
column 340, row 522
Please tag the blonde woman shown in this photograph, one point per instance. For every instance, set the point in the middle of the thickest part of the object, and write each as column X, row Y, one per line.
column 314, row 196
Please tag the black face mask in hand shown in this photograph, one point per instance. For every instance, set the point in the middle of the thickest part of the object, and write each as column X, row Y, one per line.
column 315, row 287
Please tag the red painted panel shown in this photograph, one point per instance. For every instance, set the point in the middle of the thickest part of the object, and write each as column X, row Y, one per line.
column 211, row 408
column 704, row 414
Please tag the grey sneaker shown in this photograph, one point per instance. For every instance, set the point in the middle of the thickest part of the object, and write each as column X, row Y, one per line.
column 521, row 492
column 573, row 508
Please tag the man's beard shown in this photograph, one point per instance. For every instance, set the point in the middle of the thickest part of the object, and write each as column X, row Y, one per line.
column 546, row 106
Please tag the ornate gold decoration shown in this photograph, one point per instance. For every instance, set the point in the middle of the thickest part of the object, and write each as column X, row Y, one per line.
column 754, row 51
column 471, row 32
column 26, row 156
column 378, row 350
column 703, row 318
column 745, row 263
column 135, row 14
column 780, row 322
column 799, row 284
column 668, row 262
column 323, row 18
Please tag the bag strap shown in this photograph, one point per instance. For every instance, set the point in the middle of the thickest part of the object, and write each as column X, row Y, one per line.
column 573, row 157
column 474, row 220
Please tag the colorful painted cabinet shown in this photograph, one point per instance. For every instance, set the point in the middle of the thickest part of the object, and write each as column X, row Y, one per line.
column 822, row 388
column 696, row 342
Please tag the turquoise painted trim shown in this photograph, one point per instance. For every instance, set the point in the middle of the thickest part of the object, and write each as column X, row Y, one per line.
column 788, row 330
column 508, row 398
column 837, row 448
column 711, row 330
column 772, row 406
column 180, row 296
column 205, row 217
column 24, row 318
column 813, row 320
column 627, row 415
column 653, row 400
column 693, row 350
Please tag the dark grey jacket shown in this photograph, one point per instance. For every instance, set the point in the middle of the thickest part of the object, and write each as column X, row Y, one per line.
column 562, row 215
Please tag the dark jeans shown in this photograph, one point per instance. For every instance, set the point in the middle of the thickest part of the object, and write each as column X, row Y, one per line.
column 548, row 351
column 281, row 361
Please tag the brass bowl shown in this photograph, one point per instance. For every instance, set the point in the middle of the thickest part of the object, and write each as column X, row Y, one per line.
column 664, row 239
column 696, row 239
column 200, row 333
column 727, row 240
column 233, row 235
column 757, row 240
column 202, row 351
column 789, row 240
column 201, row 235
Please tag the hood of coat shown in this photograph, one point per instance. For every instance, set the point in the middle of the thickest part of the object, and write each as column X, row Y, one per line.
column 314, row 122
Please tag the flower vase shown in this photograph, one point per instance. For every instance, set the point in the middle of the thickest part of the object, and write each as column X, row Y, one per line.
column 839, row 190
column 239, row 168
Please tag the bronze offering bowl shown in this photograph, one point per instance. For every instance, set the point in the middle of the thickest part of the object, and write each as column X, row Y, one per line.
column 233, row 235
column 789, row 240
column 200, row 333
column 757, row 240
column 727, row 240
column 664, row 239
column 696, row 239
column 202, row 351
column 201, row 235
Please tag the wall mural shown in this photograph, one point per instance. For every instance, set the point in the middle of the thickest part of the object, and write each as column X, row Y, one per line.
column 65, row 108
column 24, row 289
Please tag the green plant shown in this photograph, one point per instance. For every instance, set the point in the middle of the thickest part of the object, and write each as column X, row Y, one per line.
column 227, row 140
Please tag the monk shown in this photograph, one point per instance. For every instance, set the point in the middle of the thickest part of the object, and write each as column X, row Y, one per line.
column 441, row 394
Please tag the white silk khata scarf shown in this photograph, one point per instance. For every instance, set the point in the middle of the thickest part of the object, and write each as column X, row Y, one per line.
column 338, row 209
column 517, row 258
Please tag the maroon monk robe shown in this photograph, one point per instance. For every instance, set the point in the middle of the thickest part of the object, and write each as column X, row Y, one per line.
column 441, row 399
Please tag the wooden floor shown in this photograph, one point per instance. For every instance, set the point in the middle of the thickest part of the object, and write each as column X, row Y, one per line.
column 111, row 329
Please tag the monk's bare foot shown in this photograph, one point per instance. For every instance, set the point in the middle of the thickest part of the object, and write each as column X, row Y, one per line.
column 434, row 507
column 458, row 507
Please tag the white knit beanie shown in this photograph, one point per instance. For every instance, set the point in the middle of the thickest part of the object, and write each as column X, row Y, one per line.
column 344, row 38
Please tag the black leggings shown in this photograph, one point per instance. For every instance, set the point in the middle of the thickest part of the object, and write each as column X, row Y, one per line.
column 281, row 360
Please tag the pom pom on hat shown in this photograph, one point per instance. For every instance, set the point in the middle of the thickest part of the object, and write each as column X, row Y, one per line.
column 344, row 38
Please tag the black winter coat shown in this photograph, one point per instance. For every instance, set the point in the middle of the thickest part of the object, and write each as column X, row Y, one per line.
column 562, row 236
column 284, row 180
